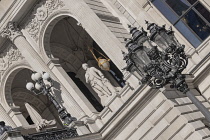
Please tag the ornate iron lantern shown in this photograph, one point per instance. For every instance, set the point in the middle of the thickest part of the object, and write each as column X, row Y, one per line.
column 156, row 66
column 158, row 59
column 136, row 59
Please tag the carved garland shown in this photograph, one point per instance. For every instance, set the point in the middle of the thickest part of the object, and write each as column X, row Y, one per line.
column 40, row 14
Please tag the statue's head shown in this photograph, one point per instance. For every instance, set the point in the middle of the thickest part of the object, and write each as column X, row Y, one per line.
column 85, row 66
column 2, row 123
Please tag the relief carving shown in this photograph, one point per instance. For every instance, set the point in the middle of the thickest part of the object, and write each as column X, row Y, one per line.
column 40, row 14
column 11, row 31
column 10, row 55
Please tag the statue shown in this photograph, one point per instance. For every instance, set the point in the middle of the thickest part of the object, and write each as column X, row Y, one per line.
column 4, row 128
column 37, row 119
column 97, row 81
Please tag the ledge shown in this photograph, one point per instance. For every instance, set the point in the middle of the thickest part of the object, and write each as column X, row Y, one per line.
column 11, row 134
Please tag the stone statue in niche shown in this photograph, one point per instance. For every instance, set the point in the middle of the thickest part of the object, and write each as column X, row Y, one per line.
column 4, row 128
column 37, row 119
column 98, row 82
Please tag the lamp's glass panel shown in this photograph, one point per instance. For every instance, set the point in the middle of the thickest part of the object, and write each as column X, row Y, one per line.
column 147, row 43
column 141, row 39
column 138, row 74
column 160, row 41
column 142, row 57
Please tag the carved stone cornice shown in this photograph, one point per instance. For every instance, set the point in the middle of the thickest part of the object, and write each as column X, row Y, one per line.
column 11, row 31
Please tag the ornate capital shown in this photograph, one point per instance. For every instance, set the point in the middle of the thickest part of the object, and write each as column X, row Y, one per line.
column 11, row 31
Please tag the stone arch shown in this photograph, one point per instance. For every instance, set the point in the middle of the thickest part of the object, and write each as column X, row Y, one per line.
column 21, row 96
column 44, row 40
column 46, row 30
column 12, row 96
column 7, row 79
column 50, row 22
column 64, row 54
column 45, row 34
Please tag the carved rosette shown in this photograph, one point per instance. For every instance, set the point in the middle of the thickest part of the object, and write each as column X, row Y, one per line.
column 40, row 14
column 11, row 31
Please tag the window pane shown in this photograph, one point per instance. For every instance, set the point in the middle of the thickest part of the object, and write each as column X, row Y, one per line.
column 203, row 11
column 166, row 11
column 197, row 24
column 192, row 1
column 178, row 6
column 188, row 34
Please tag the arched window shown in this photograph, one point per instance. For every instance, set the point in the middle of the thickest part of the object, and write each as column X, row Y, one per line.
column 190, row 17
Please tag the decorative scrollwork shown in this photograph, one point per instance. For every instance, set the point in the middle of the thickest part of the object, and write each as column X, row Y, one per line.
column 40, row 14
column 9, row 56
column 11, row 31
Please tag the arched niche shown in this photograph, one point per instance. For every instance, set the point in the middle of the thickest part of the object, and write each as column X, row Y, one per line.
column 6, row 83
column 66, row 40
column 15, row 96
column 68, row 43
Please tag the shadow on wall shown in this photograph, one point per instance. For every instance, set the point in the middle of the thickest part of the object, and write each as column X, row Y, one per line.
column 57, row 91
column 86, row 92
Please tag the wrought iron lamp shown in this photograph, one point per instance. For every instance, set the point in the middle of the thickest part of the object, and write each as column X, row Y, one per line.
column 159, row 59
column 41, row 88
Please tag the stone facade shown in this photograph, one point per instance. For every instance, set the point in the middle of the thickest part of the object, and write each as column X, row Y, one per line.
column 55, row 36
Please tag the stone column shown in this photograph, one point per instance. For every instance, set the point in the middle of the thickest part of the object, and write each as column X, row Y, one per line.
column 12, row 32
column 6, row 118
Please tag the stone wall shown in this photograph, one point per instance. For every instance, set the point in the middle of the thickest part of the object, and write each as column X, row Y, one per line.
column 112, row 22
column 161, row 118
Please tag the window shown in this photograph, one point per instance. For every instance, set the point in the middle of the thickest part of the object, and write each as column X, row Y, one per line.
column 190, row 17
